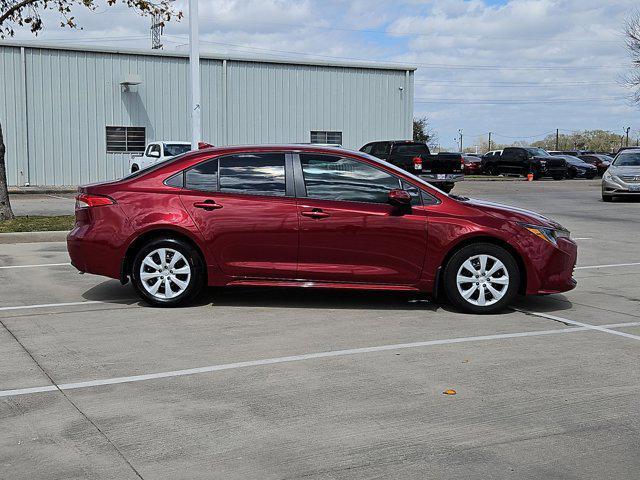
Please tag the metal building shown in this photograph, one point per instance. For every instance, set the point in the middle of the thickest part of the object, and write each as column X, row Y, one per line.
column 59, row 105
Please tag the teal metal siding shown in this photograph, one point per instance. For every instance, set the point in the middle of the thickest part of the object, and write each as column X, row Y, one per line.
column 72, row 95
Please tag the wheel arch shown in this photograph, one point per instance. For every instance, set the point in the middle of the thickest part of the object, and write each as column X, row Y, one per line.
column 148, row 235
column 522, row 267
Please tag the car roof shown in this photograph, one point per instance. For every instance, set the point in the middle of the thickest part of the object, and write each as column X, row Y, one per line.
column 272, row 147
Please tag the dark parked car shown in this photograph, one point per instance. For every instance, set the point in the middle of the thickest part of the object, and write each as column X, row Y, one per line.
column 472, row 164
column 304, row 216
column 525, row 160
column 577, row 168
column 442, row 170
column 601, row 162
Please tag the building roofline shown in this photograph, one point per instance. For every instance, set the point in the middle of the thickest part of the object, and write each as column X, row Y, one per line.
column 208, row 56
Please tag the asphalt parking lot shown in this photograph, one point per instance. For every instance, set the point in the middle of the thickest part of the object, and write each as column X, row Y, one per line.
column 275, row 384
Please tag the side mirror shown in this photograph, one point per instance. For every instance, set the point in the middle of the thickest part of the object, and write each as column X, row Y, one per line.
column 399, row 198
column 154, row 154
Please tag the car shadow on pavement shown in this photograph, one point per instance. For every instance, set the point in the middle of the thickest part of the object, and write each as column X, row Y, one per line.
column 315, row 298
column 112, row 291
column 543, row 303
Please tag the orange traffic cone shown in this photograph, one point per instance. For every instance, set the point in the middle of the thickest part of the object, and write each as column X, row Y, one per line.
column 529, row 177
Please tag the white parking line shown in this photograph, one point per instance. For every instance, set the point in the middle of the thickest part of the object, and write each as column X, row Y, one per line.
column 582, row 238
column 600, row 328
column 298, row 358
column 46, row 305
column 612, row 265
column 36, row 265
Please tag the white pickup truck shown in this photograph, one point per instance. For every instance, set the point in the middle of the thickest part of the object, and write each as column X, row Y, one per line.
column 158, row 152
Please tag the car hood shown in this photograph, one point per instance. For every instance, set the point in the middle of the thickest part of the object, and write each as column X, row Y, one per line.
column 509, row 213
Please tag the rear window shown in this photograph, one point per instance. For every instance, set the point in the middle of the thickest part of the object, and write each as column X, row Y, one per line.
column 173, row 149
column 411, row 149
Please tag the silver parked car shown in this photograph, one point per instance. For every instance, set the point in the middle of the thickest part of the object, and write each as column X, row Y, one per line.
column 622, row 178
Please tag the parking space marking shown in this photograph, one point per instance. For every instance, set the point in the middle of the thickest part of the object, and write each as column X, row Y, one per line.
column 611, row 265
column 46, row 305
column 36, row 265
column 297, row 358
column 582, row 238
column 600, row 328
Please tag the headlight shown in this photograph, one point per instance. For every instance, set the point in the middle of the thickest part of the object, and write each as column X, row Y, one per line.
column 547, row 234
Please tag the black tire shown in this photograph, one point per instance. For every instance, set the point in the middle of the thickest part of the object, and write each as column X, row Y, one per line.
column 446, row 188
column 558, row 177
column 134, row 168
column 607, row 198
column 460, row 257
column 196, row 280
column 491, row 171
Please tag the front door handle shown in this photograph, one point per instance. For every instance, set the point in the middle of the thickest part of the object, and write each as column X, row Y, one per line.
column 316, row 213
column 207, row 205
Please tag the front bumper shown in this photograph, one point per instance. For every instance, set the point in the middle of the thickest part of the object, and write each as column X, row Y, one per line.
column 617, row 186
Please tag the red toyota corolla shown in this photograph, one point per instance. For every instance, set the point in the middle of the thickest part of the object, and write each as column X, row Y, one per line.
column 305, row 216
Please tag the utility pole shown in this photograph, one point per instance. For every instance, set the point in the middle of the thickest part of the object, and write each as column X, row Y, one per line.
column 557, row 139
column 628, row 128
column 460, row 133
column 489, row 141
column 194, row 64
column 157, row 26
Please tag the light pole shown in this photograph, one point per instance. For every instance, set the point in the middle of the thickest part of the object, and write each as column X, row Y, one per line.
column 460, row 133
column 628, row 128
column 194, row 74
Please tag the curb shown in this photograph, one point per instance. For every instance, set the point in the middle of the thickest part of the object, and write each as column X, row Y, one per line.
column 33, row 237
column 41, row 190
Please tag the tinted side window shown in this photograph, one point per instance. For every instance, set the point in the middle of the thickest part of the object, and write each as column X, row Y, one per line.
column 253, row 174
column 367, row 148
column 381, row 149
column 203, row 176
column 336, row 178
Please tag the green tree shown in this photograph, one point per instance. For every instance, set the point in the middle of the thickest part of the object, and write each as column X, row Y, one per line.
column 422, row 132
column 26, row 13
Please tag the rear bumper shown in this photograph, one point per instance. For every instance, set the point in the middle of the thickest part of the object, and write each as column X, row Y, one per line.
column 442, row 177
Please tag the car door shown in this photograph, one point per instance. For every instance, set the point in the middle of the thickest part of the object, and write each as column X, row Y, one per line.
column 348, row 231
column 244, row 206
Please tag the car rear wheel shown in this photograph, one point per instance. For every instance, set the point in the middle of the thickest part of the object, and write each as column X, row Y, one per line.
column 168, row 272
column 134, row 168
column 558, row 177
column 481, row 278
column 607, row 198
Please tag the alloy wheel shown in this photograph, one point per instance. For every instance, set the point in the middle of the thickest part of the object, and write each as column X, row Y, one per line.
column 165, row 273
column 482, row 280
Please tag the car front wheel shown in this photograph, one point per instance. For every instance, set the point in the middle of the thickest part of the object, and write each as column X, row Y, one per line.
column 168, row 272
column 481, row 278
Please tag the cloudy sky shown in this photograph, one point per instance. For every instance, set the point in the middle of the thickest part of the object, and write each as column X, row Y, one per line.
column 517, row 68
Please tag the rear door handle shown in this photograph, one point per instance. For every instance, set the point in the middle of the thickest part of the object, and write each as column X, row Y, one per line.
column 316, row 213
column 207, row 205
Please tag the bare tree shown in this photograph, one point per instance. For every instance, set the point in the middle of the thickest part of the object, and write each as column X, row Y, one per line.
column 26, row 13
column 423, row 132
column 632, row 32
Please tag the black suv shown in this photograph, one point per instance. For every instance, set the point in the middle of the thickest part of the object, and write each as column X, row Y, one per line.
column 525, row 160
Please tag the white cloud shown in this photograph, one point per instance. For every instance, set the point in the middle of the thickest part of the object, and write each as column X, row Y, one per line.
column 571, row 39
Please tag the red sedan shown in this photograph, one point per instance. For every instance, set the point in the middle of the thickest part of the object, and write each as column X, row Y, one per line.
column 305, row 216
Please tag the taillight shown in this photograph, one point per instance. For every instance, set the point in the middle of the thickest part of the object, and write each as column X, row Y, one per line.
column 462, row 162
column 417, row 163
column 88, row 200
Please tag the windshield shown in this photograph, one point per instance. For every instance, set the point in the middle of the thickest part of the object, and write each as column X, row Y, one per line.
column 411, row 149
column 627, row 160
column 173, row 149
column 537, row 152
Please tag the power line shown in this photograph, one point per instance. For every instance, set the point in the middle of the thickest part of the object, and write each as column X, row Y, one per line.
column 424, row 65
column 421, row 34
